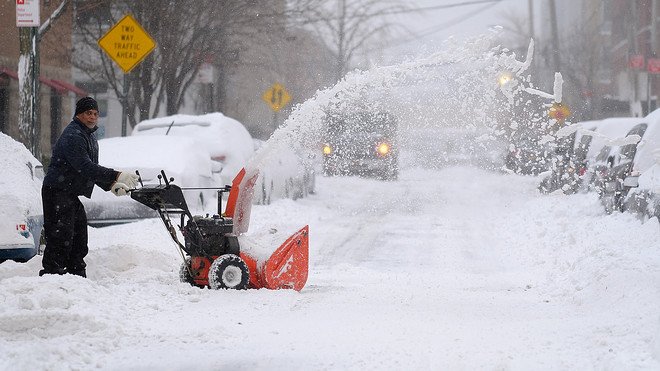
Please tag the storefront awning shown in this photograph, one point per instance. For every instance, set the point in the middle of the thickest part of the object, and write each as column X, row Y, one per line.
column 70, row 87
column 60, row 86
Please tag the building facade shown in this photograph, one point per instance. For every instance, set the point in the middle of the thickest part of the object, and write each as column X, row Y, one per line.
column 58, row 92
column 608, row 54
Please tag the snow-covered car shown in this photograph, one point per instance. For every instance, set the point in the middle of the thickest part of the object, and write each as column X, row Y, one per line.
column 640, row 187
column 569, row 156
column 598, row 161
column 21, row 213
column 285, row 176
column 643, row 199
column 621, row 159
column 181, row 158
column 228, row 144
column 361, row 142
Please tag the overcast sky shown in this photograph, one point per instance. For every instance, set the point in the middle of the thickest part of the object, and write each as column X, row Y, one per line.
column 436, row 24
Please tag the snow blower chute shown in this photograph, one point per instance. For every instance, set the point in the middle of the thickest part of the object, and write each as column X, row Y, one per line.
column 211, row 250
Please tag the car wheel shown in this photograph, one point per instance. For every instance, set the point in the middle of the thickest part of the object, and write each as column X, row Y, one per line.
column 229, row 271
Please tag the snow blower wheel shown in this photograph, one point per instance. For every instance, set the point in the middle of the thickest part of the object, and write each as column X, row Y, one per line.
column 229, row 271
column 184, row 273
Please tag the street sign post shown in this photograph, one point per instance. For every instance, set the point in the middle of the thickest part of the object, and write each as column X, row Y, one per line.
column 127, row 43
column 276, row 97
column 27, row 13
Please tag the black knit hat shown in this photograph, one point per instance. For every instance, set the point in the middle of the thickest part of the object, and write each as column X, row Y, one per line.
column 86, row 104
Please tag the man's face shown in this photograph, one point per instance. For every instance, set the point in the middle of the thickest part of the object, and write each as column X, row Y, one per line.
column 89, row 118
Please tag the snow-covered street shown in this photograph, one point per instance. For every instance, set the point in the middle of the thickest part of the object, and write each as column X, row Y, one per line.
column 457, row 268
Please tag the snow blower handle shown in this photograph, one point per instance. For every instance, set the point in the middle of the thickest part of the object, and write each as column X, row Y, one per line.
column 139, row 178
column 164, row 178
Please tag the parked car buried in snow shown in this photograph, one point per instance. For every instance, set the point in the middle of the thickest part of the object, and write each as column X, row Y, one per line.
column 361, row 142
column 227, row 142
column 641, row 187
column 182, row 158
column 568, row 164
column 21, row 215
column 598, row 161
column 643, row 199
column 621, row 157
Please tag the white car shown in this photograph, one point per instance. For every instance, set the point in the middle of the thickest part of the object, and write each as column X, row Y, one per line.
column 609, row 133
column 644, row 199
column 642, row 187
column 21, row 213
column 227, row 142
column 180, row 158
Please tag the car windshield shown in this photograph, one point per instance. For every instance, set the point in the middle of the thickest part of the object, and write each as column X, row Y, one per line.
column 603, row 154
column 628, row 151
column 360, row 123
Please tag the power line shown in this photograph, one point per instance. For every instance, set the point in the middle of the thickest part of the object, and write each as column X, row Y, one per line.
column 437, row 28
column 408, row 10
column 446, row 6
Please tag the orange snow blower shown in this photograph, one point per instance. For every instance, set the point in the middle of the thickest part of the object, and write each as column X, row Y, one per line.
column 211, row 250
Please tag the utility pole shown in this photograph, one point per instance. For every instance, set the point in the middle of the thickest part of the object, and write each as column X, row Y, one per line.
column 341, row 19
column 530, row 4
column 28, row 67
column 651, row 77
column 556, row 62
column 29, row 113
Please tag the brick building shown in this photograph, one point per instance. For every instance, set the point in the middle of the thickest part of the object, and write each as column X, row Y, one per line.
column 58, row 93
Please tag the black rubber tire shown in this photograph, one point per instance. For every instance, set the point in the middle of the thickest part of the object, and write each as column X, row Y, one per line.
column 184, row 273
column 229, row 271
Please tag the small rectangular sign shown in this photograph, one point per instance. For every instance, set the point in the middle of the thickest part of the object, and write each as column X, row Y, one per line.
column 27, row 13
column 653, row 65
column 636, row 62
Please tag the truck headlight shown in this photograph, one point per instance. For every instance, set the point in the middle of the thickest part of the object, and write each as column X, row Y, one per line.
column 327, row 150
column 383, row 149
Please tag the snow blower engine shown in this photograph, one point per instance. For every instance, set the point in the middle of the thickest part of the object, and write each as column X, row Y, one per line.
column 211, row 250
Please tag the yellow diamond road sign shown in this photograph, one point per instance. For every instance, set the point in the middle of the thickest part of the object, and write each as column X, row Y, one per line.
column 276, row 97
column 127, row 43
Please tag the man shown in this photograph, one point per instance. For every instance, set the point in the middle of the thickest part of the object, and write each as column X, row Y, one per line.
column 72, row 172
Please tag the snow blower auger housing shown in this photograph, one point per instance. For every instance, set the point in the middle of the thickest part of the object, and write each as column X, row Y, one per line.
column 211, row 250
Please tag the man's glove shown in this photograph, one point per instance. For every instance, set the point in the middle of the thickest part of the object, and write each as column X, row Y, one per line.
column 128, row 179
column 119, row 189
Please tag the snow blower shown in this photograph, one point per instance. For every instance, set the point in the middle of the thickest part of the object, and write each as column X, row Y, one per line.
column 211, row 251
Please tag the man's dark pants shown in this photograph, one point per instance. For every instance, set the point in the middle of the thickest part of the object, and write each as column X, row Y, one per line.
column 65, row 229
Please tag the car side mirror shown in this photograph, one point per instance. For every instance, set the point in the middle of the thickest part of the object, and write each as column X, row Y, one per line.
column 631, row 181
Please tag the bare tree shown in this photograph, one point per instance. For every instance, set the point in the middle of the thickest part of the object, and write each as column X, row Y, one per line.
column 28, row 80
column 187, row 34
column 350, row 25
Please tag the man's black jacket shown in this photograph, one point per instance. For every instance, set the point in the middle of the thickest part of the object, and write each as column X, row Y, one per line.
column 74, row 165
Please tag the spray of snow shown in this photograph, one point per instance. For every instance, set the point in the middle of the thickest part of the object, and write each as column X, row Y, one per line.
column 455, row 90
